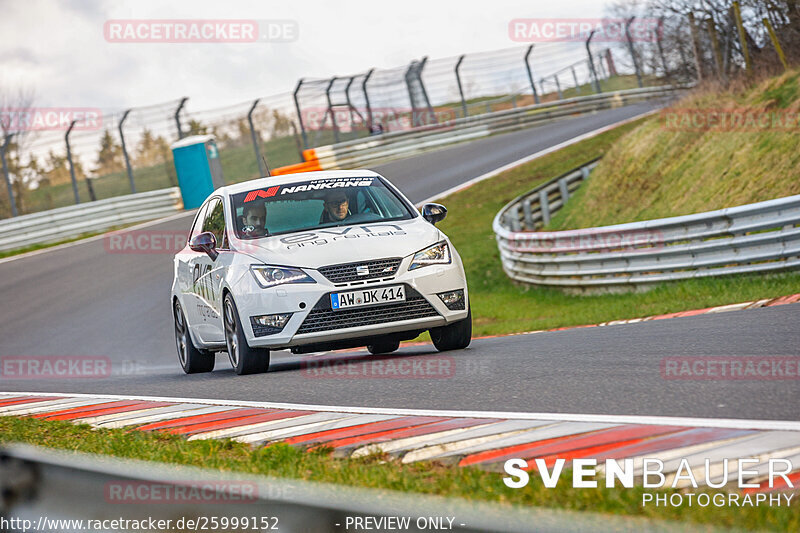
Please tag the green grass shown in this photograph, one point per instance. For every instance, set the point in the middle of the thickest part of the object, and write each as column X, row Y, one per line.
column 500, row 306
column 381, row 472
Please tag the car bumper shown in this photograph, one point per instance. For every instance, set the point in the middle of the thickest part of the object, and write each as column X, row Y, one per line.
column 313, row 321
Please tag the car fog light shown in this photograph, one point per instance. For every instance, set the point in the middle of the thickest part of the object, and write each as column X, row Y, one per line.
column 454, row 300
column 269, row 324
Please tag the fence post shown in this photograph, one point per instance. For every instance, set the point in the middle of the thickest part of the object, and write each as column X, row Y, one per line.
column 562, row 186
column 460, row 88
column 742, row 38
column 298, row 143
column 558, row 87
column 424, row 91
column 602, row 68
column 633, row 51
column 530, row 74
column 178, row 117
column 527, row 213
column 254, row 137
column 712, row 35
column 696, row 47
column 612, row 69
column 350, row 106
column 366, row 98
column 776, row 43
column 412, row 101
column 575, row 79
column 330, row 109
column 591, row 62
column 544, row 204
column 659, row 34
column 11, row 199
column 71, row 166
column 299, row 113
column 125, row 151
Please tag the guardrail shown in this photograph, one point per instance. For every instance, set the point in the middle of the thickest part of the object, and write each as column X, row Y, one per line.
column 388, row 146
column 67, row 222
column 759, row 237
column 41, row 486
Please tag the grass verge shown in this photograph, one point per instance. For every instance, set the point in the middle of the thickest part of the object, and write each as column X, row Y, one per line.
column 379, row 472
column 500, row 306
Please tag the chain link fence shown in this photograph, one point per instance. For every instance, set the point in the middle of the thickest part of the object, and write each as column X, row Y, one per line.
column 128, row 151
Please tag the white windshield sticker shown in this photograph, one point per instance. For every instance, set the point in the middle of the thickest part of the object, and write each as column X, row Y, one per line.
column 327, row 184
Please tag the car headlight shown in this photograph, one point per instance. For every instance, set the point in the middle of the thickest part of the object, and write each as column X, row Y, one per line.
column 438, row 254
column 269, row 276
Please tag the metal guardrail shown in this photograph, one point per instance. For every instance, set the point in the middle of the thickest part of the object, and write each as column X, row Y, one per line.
column 42, row 485
column 759, row 237
column 385, row 147
column 72, row 221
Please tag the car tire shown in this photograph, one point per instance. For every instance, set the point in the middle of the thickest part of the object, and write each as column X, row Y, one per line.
column 244, row 359
column 383, row 346
column 192, row 360
column 455, row 336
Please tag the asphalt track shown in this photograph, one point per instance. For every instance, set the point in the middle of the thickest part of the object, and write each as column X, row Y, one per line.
column 82, row 300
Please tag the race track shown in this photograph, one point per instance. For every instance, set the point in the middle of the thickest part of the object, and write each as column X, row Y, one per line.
column 81, row 300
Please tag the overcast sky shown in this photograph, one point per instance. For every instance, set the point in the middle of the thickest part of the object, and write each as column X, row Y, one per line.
column 58, row 48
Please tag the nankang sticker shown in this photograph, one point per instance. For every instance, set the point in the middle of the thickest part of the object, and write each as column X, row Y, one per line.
column 254, row 195
column 327, row 184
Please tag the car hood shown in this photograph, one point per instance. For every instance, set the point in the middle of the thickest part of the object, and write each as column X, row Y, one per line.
column 345, row 244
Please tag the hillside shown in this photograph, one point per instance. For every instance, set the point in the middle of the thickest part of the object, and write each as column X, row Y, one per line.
column 668, row 167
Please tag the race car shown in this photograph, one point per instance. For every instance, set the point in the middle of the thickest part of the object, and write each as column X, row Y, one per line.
column 314, row 262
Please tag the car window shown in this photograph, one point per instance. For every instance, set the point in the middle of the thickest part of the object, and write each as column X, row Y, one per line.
column 215, row 221
column 300, row 206
column 198, row 222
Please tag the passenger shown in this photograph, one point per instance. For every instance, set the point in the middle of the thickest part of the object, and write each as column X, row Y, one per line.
column 337, row 207
column 254, row 220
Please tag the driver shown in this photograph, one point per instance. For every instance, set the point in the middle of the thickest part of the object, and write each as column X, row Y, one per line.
column 337, row 207
column 254, row 218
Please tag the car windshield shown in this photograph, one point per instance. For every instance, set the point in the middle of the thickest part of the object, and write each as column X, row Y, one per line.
column 313, row 204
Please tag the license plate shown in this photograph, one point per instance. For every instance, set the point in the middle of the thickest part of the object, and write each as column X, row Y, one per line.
column 362, row 297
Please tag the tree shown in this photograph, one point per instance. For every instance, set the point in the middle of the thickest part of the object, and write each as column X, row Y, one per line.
column 197, row 128
column 150, row 149
column 109, row 158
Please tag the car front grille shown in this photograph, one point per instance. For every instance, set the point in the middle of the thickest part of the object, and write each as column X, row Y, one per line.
column 323, row 318
column 347, row 272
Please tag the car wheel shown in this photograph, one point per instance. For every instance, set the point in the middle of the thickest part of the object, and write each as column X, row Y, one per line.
column 383, row 346
column 193, row 361
column 455, row 336
column 244, row 359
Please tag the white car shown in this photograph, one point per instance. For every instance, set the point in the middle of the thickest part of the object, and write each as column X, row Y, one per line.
column 314, row 262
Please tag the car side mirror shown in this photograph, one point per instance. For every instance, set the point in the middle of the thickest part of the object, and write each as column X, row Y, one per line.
column 434, row 213
column 206, row 243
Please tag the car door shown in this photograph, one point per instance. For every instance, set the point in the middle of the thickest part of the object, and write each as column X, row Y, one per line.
column 185, row 260
column 208, row 274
